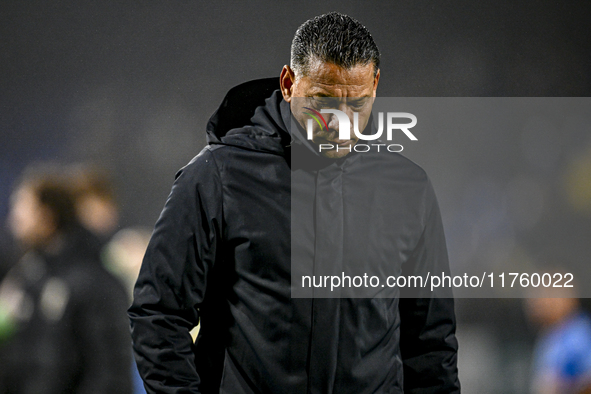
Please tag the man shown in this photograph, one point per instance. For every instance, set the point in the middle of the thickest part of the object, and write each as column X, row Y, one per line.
column 261, row 201
column 63, row 328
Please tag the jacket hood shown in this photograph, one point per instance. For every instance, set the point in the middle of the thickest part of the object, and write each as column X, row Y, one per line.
column 250, row 117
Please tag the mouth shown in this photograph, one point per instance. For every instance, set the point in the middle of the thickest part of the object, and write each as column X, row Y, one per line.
column 336, row 142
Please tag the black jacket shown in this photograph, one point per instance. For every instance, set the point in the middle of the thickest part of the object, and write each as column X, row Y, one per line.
column 70, row 333
column 221, row 254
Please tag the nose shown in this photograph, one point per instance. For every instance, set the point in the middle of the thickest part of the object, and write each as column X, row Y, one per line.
column 332, row 122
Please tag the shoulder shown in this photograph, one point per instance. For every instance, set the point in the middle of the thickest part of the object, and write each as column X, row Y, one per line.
column 202, row 164
column 195, row 185
column 201, row 174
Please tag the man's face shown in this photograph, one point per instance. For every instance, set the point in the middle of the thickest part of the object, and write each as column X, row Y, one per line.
column 327, row 86
column 30, row 222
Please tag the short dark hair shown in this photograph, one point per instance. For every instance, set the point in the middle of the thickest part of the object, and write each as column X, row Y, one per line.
column 92, row 180
column 334, row 38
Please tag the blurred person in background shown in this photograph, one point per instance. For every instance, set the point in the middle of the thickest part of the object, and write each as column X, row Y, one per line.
column 63, row 327
column 562, row 353
column 124, row 253
column 96, row 205
column 97, row 210
column 6, row 252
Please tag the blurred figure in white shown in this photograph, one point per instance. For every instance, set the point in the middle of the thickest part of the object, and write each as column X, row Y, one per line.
column 124, row 253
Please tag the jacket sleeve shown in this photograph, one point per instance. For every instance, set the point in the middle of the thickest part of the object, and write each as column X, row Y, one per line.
column 427, row 330
column 173, row 279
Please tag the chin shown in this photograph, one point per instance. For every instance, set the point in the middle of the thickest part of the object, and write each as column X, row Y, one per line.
column 338, row 153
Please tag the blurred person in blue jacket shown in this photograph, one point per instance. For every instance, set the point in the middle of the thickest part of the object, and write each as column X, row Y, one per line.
column 64, row 326
column 562, row 354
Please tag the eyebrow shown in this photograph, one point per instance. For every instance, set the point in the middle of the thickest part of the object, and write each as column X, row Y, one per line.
column 355, row 98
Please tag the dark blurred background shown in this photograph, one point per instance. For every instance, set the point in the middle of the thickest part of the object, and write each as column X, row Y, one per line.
column 130, row 86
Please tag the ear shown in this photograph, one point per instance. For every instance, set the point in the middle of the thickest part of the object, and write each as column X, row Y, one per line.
column 375, row 82
column 286, row 81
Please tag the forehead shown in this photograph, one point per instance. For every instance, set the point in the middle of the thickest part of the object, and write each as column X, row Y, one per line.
column 328, row 79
